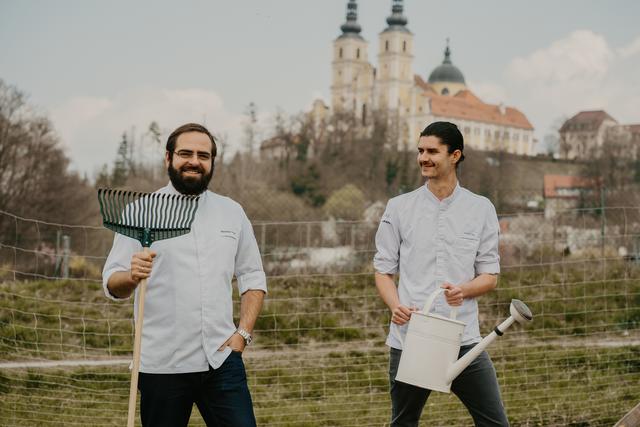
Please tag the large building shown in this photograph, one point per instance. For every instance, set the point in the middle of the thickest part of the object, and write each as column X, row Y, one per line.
column 392, row 86
column 587, row 133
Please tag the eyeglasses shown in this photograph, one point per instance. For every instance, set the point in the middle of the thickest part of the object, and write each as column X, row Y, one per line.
column 188, row 154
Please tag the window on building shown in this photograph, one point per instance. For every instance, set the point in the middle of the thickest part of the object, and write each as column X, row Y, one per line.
column 364, row 114
column 516, row 137
column 404, row 45
column 525, row 138
column 358, row 53
column 445, row 91
column 476, row 131
column 467, row 130
column 340, row 53
column 386, row 46
column 487, row 133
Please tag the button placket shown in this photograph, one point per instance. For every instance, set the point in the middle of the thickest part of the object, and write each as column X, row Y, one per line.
column 441, row 257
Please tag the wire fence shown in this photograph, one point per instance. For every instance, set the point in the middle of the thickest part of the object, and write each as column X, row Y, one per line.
column 319, row 358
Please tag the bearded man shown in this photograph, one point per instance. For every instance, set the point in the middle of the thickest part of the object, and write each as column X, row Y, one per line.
column 191, row 348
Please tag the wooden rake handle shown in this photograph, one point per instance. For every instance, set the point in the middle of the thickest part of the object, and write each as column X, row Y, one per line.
column 133, row 390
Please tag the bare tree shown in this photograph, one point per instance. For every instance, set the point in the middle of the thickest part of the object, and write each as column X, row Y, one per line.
column 34, row 177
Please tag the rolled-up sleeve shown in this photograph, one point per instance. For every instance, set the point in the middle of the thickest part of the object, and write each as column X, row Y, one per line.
column 119, row 259
column 248, row 264
column 488, row 257
column 387, row 257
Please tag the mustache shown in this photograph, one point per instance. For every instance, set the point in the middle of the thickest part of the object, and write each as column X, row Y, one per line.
column 426, row 164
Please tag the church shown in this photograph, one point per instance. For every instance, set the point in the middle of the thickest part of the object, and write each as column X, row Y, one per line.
column 360, row 88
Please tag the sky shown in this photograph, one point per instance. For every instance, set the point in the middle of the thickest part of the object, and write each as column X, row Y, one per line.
column 99, row 68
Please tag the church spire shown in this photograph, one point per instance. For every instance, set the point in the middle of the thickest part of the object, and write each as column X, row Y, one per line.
column 397, row 19
column 447, row 54
column 351, row 26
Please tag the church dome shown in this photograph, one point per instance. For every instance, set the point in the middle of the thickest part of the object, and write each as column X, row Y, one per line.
column 446, row 72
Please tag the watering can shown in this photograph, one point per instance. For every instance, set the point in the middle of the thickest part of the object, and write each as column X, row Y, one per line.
column 430, row 350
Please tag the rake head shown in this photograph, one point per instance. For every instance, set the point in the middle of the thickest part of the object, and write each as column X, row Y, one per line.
column 147, row 217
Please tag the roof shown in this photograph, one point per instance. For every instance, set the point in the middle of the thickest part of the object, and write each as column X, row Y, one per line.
column 586, row 121
column 278, row 141
column 467, row 106
column 272, row 143
column 634, row 128
column 566, row 186
column 446, row 72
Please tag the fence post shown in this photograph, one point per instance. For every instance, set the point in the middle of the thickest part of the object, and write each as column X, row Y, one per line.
column 353, row 236
column 603, row 220
column 66, row 243
column 263, row 238
column 308, row 234
column 58, row 253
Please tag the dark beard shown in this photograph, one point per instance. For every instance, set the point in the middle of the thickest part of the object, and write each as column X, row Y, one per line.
column 190, row 186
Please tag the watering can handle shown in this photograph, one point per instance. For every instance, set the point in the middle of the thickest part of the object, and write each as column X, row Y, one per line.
column 432, row 298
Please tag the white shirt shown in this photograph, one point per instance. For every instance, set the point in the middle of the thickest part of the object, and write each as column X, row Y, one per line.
column 188, row 306
column 429, row 242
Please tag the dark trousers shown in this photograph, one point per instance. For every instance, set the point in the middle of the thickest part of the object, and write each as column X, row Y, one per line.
column 477, row 388
column 222, row 396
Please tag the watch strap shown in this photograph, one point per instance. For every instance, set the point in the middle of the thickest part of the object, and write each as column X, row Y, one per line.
column 245, row 335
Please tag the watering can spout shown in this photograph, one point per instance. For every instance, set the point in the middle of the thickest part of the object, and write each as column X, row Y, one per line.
column 519, row 312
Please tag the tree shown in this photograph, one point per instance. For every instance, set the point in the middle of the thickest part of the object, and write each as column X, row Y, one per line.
column 121, row 164
column 35, row 181
column 251, row 129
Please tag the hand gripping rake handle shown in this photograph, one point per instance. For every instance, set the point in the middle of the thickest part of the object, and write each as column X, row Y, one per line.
column 146, row 217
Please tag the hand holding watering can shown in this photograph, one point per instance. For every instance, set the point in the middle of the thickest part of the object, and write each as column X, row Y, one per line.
column 401, row 313
column 430, row 349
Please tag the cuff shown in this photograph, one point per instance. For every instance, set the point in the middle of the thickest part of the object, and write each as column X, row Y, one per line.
column 255, row 280
column 385, row 267
column 105, row 280
column 488, row 268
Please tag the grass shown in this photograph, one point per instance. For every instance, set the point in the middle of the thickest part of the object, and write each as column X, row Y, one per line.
column 320, row 359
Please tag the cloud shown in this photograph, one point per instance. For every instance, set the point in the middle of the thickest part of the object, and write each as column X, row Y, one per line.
column 91, row 127
column 630, row 50
column 580, row 71
column 492, row 93
column 582, row 56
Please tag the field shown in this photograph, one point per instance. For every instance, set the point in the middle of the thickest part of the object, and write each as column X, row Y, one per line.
column 320, row 358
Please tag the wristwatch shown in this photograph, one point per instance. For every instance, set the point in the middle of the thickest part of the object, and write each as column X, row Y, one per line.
column 246, row 335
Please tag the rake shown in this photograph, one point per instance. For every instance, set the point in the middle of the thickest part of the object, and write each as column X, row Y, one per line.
column 146, row 217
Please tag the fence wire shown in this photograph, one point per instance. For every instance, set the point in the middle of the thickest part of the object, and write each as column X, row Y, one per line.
column 319, row 356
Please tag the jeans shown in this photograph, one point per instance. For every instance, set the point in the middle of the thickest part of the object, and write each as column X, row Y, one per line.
column 477, row 388
column 221, row 395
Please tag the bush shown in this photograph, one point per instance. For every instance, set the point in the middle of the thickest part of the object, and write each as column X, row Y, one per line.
column 347, row 203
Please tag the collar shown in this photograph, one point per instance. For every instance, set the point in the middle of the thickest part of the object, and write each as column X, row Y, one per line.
column 447, row 200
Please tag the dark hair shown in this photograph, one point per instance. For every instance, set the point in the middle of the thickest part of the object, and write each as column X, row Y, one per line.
column 449, row 135
column 190, row 127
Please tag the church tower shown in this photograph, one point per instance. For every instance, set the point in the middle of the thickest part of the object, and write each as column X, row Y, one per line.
column 395, row 74
column 352, row 87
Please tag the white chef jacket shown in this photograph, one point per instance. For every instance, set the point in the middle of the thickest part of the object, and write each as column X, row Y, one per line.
column 188, row 305
column 431, row 241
